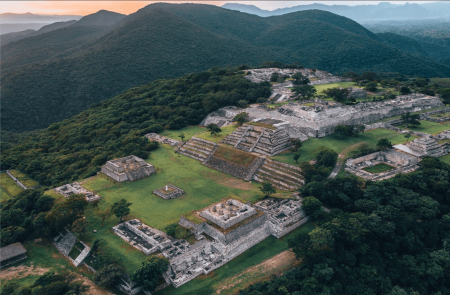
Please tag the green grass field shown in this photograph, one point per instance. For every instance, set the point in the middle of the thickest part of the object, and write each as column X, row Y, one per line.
column 202, row 185
column 25, row 179
column 208, row 284
column 378, row 168
column 188, row 132
column 370, row 137
column 429, row 127
column 322, row 87
column 216, row 138
column 398, row 117
column 441, row 115
column 445, row 159
column 9, row 187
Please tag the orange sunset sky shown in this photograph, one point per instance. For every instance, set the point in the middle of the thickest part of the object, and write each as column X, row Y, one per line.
column 127, row 7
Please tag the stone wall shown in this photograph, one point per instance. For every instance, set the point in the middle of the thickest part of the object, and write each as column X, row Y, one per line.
column 243, row 230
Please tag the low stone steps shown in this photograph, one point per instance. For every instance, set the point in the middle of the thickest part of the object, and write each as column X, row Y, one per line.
column 276, row 179
column 281, row 175
column 283, row 165
column 197, row 148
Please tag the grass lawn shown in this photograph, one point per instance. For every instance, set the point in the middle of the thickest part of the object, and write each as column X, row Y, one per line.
column 322, row 87
column 208, row 284
column 445, row 159
column 202, row 185
column 216, row 138
column 441, row 115
column 378, row 168
column 234, row 156
column 429, row 127
column 188, row 132
column 9, row 187
column 345, row 145
column 26, row 180
column 398, row 117
column 277, row 104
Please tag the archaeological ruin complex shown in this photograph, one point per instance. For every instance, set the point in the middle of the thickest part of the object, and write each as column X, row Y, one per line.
column 223, row 231
column 128, row 168
column 75, row 188
column 168, row 192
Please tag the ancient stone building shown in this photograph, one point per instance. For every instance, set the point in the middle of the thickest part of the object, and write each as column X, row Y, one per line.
column 427, row 146
column 75, row 188
column 263, row 140
column 399, row 161
column 320, row 120
column 129, row 168
column 169, row 192
column 356, row 93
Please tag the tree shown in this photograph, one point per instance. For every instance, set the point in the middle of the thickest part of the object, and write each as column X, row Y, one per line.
column 372, row 86
column 150, row 271
column 296, row 157
column 242, row 103
column 299, row 79
column 411, row 119
column 305, row 91
column 267, row 188
column 274, row 77
column 363, row 148
column 40, row 224
column 297, row 144
column 261, row 100
column 182, row 136
column 121, row 209
column 109, row 275
column 404, row 90
column 407, row 136
column 341, row 130
column 325, row 157
column 369, row 76
column 94, row 204
column 214, row 129
column 241, row 118
column 445, row 95
column 80, row 226
column 384, row 144
column 312, row 207
column 338, row 94
column 171, row 229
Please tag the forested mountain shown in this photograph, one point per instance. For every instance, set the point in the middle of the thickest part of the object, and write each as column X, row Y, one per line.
column 11, row 37
column 53, row 76
column 100, row 18
column 383, row 10
column 76, row 148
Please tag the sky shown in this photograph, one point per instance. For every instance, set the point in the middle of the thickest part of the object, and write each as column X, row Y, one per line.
column 127, row 7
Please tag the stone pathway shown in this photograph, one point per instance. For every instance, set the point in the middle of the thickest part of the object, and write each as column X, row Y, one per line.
column 16, row 180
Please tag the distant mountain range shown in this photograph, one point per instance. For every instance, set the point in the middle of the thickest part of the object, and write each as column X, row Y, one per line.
column 55, row 75
column 21, row 18
column 381, row 11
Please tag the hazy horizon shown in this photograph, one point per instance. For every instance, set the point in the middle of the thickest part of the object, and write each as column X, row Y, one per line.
column 127, row 7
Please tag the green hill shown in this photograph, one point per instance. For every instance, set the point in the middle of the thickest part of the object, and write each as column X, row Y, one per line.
column 76, row 148
column 50, row 78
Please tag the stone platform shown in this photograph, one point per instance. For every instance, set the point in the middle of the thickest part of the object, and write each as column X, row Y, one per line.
column 169, row 192
column 128, row 168
column 75, row 188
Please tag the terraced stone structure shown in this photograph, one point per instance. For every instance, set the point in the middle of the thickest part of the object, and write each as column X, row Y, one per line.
column 75, row 188
column 150, row 240
column 427, row 146
column 321, row 119
column 399, row 161
column 252, row 138
column 281, row 175
column 128, row 168
column 169, row 192
column 228, row 213
column 269, row 217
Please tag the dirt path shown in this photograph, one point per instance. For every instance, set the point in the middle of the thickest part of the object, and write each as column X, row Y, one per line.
column 21, row 271
column 94, row 289
column 275, row 265
column 341, row 159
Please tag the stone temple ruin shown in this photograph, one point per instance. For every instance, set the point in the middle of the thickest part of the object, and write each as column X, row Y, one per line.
column 169, row 192
column 282, row 176
column 75, row 188
column 129, row 168
column 301, row 121
column 258, row 139
column 400, row 162
column 246, row 226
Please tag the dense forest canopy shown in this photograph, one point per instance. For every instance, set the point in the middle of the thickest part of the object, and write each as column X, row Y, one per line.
column 77, row 147
column 56, row 75
column 389, row 237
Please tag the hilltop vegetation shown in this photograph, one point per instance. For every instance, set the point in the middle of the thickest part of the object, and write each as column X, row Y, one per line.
column 56, row 75
column 76, row 148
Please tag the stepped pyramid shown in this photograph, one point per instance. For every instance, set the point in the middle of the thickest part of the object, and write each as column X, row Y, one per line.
column 197, row 148
column 259, row 139
column 428, row 146
column 129, row 168
column 281, row 175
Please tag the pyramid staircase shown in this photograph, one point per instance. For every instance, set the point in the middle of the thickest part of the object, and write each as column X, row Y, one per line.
column 260, row 140
column 197, row 148
column 282, row 176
